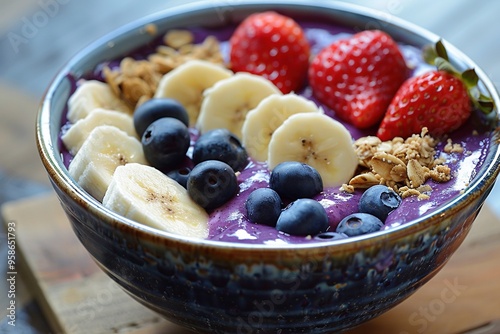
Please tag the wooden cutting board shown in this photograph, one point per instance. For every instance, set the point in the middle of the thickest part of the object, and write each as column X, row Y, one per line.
column 77, row 297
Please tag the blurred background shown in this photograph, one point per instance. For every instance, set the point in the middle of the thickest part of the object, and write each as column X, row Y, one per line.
column 37, row 37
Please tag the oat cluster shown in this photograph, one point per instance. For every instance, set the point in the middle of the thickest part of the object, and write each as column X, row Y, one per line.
column 136, row 81
column 403, row 165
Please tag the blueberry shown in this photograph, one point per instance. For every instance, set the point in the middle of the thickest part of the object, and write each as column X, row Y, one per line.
column 212, row 183
column 358, row 224
column 222, row 145
column 165, row 143
column 294, row 180
column 157, row 108
column 180, row 175
column 263, row 206
column 330, row 236
column 379, row 201
column 303, row 217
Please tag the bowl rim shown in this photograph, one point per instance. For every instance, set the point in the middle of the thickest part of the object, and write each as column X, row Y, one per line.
column 60, row 178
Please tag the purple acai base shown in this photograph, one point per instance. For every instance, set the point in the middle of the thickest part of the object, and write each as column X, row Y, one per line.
column 229, row 223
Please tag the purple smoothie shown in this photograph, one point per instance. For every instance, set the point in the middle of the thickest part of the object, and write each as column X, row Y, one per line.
column 229, row 223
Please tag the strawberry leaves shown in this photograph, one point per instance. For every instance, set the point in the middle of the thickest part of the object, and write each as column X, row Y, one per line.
column 438, row 56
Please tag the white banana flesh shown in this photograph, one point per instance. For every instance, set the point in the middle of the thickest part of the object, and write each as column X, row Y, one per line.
column 93, row 94
column 146, row 195
column 261, row 122
column 319, row 141
column 227, row 103
column 106, row 148
column 75, row 136
column 187, row 82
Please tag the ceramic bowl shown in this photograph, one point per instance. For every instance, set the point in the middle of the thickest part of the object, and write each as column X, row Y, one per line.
column 239, row 288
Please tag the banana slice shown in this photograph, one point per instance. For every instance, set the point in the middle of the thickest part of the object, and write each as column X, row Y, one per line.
column 187, row 82
column 106, row 148
column 319, row 141
column 146, row 195
column 261, row 122
column 78, row 132
column 91, row 95
column 226, row 104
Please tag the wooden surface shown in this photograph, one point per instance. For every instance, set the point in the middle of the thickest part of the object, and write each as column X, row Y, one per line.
column 77, row 297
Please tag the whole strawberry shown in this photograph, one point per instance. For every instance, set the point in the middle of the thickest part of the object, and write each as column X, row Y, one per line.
column 358, row 76
column 273, row 46
column 441, row 100
column 436, row 100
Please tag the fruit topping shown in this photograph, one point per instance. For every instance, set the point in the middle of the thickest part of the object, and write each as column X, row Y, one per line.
column 317, row 140
column 165, row 143
column 330, row 235
column 263, row 206
column 293, row 180
column 273, row 46
column 106, row 148
column 210, row 134
column 436, row 100
column 359, row 224
column 379, row 201
column 180, row 175
column 222, row 145
column 144, row 194
column 358, row 76
column 187, row 82
column 76, row 135
column 227, row 102
column 304, row 217
column 154, row 109
column 212, row 183
column 261, row 122
column 440, row 100
column 91, row 95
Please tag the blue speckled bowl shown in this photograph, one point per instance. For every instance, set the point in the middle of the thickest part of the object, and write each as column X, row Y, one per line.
column 239, row 288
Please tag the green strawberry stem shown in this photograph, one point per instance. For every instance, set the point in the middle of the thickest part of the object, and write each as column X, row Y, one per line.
column 438, row 56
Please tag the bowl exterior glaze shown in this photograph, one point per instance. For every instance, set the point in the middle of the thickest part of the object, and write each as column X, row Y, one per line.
column 231, row 288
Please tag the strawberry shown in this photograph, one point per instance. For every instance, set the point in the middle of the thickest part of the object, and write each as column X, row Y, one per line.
column 436, row 100
column 358, row 76
column 273, row 46
column 441, row 100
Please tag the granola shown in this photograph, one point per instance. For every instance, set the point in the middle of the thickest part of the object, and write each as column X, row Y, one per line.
column 403, row 165
column 135, row 81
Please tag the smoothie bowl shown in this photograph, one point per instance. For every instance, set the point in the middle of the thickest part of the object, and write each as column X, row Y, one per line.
column 276, row 233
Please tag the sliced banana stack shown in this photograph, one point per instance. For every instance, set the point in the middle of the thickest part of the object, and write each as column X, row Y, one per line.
column 75, row 136
column 91, row 95
column 227, row 103
column 261, row 122
column 319, row 141
column 187, row 82
column 106, row 148
column 146, row 195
